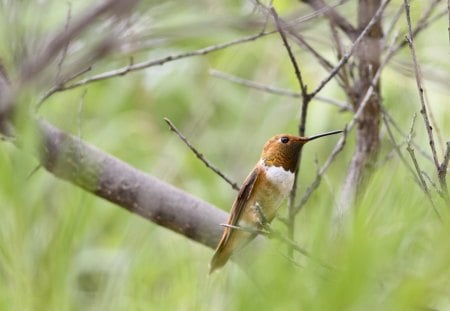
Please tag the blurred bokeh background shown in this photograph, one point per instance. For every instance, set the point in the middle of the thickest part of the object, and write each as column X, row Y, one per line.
column 64, row 249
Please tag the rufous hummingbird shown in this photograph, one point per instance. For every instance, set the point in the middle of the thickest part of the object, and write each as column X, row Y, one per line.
column 261, row 194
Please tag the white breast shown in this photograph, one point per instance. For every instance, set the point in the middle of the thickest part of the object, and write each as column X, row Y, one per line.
column 283, row 179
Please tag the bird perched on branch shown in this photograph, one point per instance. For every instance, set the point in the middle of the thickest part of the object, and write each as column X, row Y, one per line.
column 261, row 194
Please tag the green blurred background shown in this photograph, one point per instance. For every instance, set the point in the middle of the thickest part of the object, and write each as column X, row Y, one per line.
column 64, row 249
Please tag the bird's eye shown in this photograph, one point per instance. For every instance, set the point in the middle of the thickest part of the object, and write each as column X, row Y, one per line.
column 284, row 139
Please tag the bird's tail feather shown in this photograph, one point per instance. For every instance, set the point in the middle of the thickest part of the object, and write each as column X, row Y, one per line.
column 218, row 260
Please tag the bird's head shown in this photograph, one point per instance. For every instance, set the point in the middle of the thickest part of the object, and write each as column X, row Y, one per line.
column 283, row 150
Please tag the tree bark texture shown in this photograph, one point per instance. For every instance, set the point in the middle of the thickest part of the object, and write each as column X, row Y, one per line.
column 70, row 158
column 368, row 57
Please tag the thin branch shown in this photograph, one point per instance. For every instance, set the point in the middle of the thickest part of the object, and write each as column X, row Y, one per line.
column 60, row 86
column 302, row 42
column 389, row 30
column 275, row 90
column 432, row 183
column 200, row 156
column 340, row 144
column 333, row 16
column 158, row 62
column 420, row 87
column 424, row 21
column 345, row 76
column 315, row 184
column 355, row 44
column 298, row 74
column 442, row 172
column 423, row 184
column 397, row 149
column 66, row 46
column 402, row 133
column 301, row 128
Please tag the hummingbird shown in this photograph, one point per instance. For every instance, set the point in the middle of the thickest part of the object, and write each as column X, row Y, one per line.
column 261, row 194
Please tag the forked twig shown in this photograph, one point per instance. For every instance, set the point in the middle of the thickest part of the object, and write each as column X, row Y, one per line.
column 158, row 62
column 294, row 63
column 423, row 184
column 397, row 148
column 349, row 126
column 355, row 44
column 306, row 99
column 423, row 110
column 419, row 84
column 200, row 156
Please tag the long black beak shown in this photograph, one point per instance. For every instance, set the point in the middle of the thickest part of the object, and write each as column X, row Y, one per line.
column 322, row 135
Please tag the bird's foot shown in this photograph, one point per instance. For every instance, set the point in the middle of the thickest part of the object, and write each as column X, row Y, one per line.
column 262, row 219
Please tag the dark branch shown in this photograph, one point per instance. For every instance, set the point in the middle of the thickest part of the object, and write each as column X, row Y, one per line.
column 354, row 46
column 306, row 99
column 294, row 63
column 200, row 156
column 420, row 88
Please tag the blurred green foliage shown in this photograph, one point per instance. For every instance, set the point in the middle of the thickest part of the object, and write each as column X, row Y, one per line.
column 64, row 249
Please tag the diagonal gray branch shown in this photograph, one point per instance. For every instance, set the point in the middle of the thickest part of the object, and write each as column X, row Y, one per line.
column 69, row 158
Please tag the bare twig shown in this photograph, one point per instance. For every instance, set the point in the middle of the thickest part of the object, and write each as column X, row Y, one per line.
column 334, row 17
column 306, row 99
column 158, row 62
column 200, row 156
column 420, row 87
column 442, row 172
column 315, row 184
column 340, row 144
column 422, row 24
column 60, row 86
column 423, row 184
column 275, row 90
column 432, row 183
column 355, row 44
column 345, row 75
column 391, row 27
column 297, row 72
column 397, row 148
column 66, row 46
column 302, row 42
column 417, row 147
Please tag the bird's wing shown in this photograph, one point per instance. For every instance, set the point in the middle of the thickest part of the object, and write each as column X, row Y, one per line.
column 243, row 196
column 222, row 251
